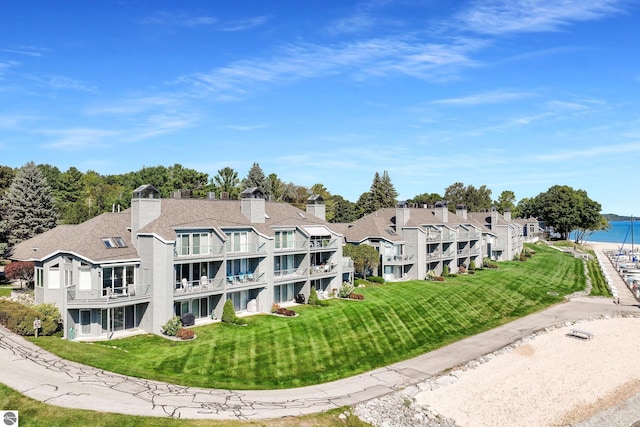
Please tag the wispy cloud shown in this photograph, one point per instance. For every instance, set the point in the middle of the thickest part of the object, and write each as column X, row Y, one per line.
column 77, row 138
column 180, row 19
column 619, row 150
column 13, row 121
column 369, row 58
column 159, row 125
column 243, row 24
column 244, row 128
column 25, row 50
column 136, row 105
column 6, row 65
column 192, row 21
column 495, row 97
column 509, row 16
column 62, row 83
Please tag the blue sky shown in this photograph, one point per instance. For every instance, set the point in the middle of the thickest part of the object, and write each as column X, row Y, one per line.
column 517, row 95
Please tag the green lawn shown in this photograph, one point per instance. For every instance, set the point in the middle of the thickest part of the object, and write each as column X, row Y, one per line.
column 36, row 414
column 5, row 291
column 396, row 321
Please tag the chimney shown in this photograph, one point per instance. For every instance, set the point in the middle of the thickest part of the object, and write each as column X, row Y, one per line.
column 441, row 211
column 252, row 205
column 402, row 214
column 145, row 207
column 316, row 207
column 461, row 210
column 507, row 215
column 494, row 217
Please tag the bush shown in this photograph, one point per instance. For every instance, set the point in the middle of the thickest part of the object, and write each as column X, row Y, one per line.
column 353, row 295
column 375, row 279
column 445, row 270
column 345, row 290
column 472, row 265
column 314, row 300
column 275, row 307
column 462, row 269
column 229, row 314
column 185, row 334
column 172, row 327
column 50, row 319
column 19, row 318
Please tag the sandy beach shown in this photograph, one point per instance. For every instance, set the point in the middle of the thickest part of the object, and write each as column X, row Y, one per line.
column 552, row 379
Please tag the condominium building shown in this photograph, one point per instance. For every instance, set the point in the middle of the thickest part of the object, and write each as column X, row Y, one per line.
column 135, row 269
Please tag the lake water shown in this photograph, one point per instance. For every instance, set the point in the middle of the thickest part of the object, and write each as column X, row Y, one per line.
column 620, row 232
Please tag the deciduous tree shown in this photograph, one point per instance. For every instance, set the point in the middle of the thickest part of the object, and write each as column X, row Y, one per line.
column 20, row 270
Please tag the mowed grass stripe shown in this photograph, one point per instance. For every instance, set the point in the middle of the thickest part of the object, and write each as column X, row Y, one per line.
column 394, row 322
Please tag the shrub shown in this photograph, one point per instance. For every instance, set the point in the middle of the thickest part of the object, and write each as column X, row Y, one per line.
column 431, row 275
column 275, row 307
column 19, row 318
column 50, row 319
column 445, row 270
column 313, row 296
column 375, row 279
column 345, row 290
column 472, row 265
column 172, row 327
column 462, row 269
column 353, row 295
column 229, row 314
column 185, row 334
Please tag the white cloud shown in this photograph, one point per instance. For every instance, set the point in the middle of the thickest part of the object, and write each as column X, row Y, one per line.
column 136, row 105
column 369, row 58
column 63, row 83
column 619, row 150
column 77, row 138
column 26, row 50
column 244, row 128
column 509, row 16
column 244, row 24
column 495, row 97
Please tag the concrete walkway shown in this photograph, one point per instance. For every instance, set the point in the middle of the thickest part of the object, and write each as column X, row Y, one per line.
column 45, row 377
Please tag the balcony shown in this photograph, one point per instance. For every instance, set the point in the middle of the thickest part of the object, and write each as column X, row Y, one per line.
column 289, row 246
column 398, row 259
column 241, row 279
column 199, row 251
column 121, row 294
column 198, row 286
column 434, row 255
column 316, row 270
column 323, row 244
column 289, row 274
column 245, row 248
column 347, row 264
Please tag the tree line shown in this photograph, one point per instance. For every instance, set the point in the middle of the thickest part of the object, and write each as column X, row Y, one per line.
column 35, row 198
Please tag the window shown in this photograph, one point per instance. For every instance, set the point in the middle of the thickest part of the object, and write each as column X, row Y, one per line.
column 238, row 242
column 192, row 244
column 284, row 239
column 39, row 277
column 116, row 279
column 54, row 277
column 119, row 242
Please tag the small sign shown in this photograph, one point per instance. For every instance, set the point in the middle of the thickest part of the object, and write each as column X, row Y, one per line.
column 9, row 418
column 37, row 324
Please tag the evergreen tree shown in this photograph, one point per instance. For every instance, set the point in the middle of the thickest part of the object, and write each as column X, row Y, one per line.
column 274, row 187
column 343, row 210
column 255, row 178
column 227, row 181
column 505, row 201
column 28, row 206
column 386, row 192
column 70, row 197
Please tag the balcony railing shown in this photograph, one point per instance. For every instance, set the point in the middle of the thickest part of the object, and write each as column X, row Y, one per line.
column 196, row 251
column 322, row 269
column 108, row 294
column 198, row 286
column 347, row 263
column 244, row 278
column 323, row 243
column 289, row 273
column 398, row 258
column 291, row 246
column 244, row 248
